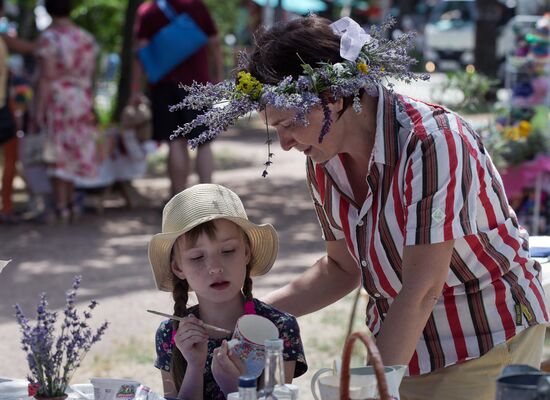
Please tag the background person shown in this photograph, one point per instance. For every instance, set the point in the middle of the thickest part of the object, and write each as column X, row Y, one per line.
column 64, row 104
column 8, row 121
column 203, row 66
column 8, row 138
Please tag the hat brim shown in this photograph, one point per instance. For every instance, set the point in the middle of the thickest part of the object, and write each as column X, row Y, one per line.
column 264, row 246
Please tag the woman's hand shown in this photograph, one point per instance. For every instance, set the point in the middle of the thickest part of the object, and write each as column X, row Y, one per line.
column 192, row 340
column 226, row 368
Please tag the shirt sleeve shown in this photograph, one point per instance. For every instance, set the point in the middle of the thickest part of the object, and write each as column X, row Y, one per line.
column 329, row 230
column 440, row 189
column 163, row 345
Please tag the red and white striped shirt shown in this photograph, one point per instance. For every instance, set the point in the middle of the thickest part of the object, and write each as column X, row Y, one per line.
column 430, row 180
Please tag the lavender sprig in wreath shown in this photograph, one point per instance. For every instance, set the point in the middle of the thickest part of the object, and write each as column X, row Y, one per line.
column 53, row 359
column 372, row 64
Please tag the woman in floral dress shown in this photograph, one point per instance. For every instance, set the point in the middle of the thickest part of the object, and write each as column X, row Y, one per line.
column 64, row 104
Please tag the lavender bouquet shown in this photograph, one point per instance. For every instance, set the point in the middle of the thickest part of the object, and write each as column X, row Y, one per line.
column 53, row 359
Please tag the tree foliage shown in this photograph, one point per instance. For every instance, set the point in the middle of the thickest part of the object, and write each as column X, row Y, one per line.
column 225, row 14
column 104, row 19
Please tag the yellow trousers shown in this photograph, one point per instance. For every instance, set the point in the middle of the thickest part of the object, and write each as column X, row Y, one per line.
column 476, row 379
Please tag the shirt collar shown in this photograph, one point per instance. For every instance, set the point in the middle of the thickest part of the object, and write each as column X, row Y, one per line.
column 386, row 146
column 385, row 150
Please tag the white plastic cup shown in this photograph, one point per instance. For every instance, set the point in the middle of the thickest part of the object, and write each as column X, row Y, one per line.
column 114, row 389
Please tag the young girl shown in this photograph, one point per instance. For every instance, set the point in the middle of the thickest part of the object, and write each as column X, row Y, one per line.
column 208, row 245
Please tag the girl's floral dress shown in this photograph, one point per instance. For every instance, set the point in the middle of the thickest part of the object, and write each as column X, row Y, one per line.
column 288, row 331
column 69, row 122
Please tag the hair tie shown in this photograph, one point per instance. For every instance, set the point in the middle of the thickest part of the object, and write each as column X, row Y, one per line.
column 249, row 307
column 173, row 340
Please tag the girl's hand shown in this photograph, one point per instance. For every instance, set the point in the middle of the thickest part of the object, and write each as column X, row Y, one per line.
column 192, row 340
column 226, row 368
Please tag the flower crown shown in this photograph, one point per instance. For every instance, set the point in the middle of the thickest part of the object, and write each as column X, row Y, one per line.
column 369, row 59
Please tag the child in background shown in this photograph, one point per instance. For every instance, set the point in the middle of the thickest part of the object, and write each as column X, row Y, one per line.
column 208, row 245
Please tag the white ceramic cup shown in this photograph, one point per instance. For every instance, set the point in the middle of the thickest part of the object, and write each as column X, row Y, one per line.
column 251, row 332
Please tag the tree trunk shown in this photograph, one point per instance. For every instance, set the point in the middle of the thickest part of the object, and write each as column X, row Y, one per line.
column 486, row 36
column 329, row 11
column 279, row 12
column 126, row 57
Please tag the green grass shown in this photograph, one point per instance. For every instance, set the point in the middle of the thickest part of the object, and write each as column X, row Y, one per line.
column 323, row 333
column 131, row 351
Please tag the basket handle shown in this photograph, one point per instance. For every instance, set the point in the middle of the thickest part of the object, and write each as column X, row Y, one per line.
column 374, row 355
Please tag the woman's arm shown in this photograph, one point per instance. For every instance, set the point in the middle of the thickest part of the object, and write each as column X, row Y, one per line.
column 425, row 269
column 17, row 45
column 328, row 280
column 137, row 77
column 47, row 75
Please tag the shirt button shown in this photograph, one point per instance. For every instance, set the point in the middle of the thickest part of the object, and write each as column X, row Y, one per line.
column 363, row 263
column 360, row 223
column 384, row 315
column 377, row 295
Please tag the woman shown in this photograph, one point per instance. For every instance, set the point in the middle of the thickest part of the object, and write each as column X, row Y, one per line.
column 8, row 121
column 408, row 201
column 67, row 59
column 206, row 65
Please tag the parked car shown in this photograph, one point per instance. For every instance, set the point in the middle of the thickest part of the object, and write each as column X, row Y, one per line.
column 450, row 34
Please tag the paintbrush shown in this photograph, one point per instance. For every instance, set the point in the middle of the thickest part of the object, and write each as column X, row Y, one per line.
column 175, row 317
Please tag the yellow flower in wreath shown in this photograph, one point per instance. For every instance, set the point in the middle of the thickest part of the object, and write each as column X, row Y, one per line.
column 364, row 68
column 249, row 85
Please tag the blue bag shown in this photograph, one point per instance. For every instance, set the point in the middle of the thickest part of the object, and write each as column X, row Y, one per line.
column 172, row 45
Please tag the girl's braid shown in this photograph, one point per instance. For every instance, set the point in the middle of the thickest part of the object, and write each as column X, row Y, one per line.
column 178, row 364
column 247, row 286
column 180, row 295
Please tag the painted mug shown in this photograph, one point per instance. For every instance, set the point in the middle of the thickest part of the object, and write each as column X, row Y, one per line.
column 248, row 340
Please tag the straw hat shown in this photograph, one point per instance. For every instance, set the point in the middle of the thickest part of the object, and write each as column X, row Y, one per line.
column 199, row 204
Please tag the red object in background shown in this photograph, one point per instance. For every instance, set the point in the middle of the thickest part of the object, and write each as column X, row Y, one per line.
column 519, row 177
column 8, row 175
column 371, row 12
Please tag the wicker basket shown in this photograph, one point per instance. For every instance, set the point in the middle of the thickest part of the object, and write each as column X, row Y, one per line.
column 374, row 356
